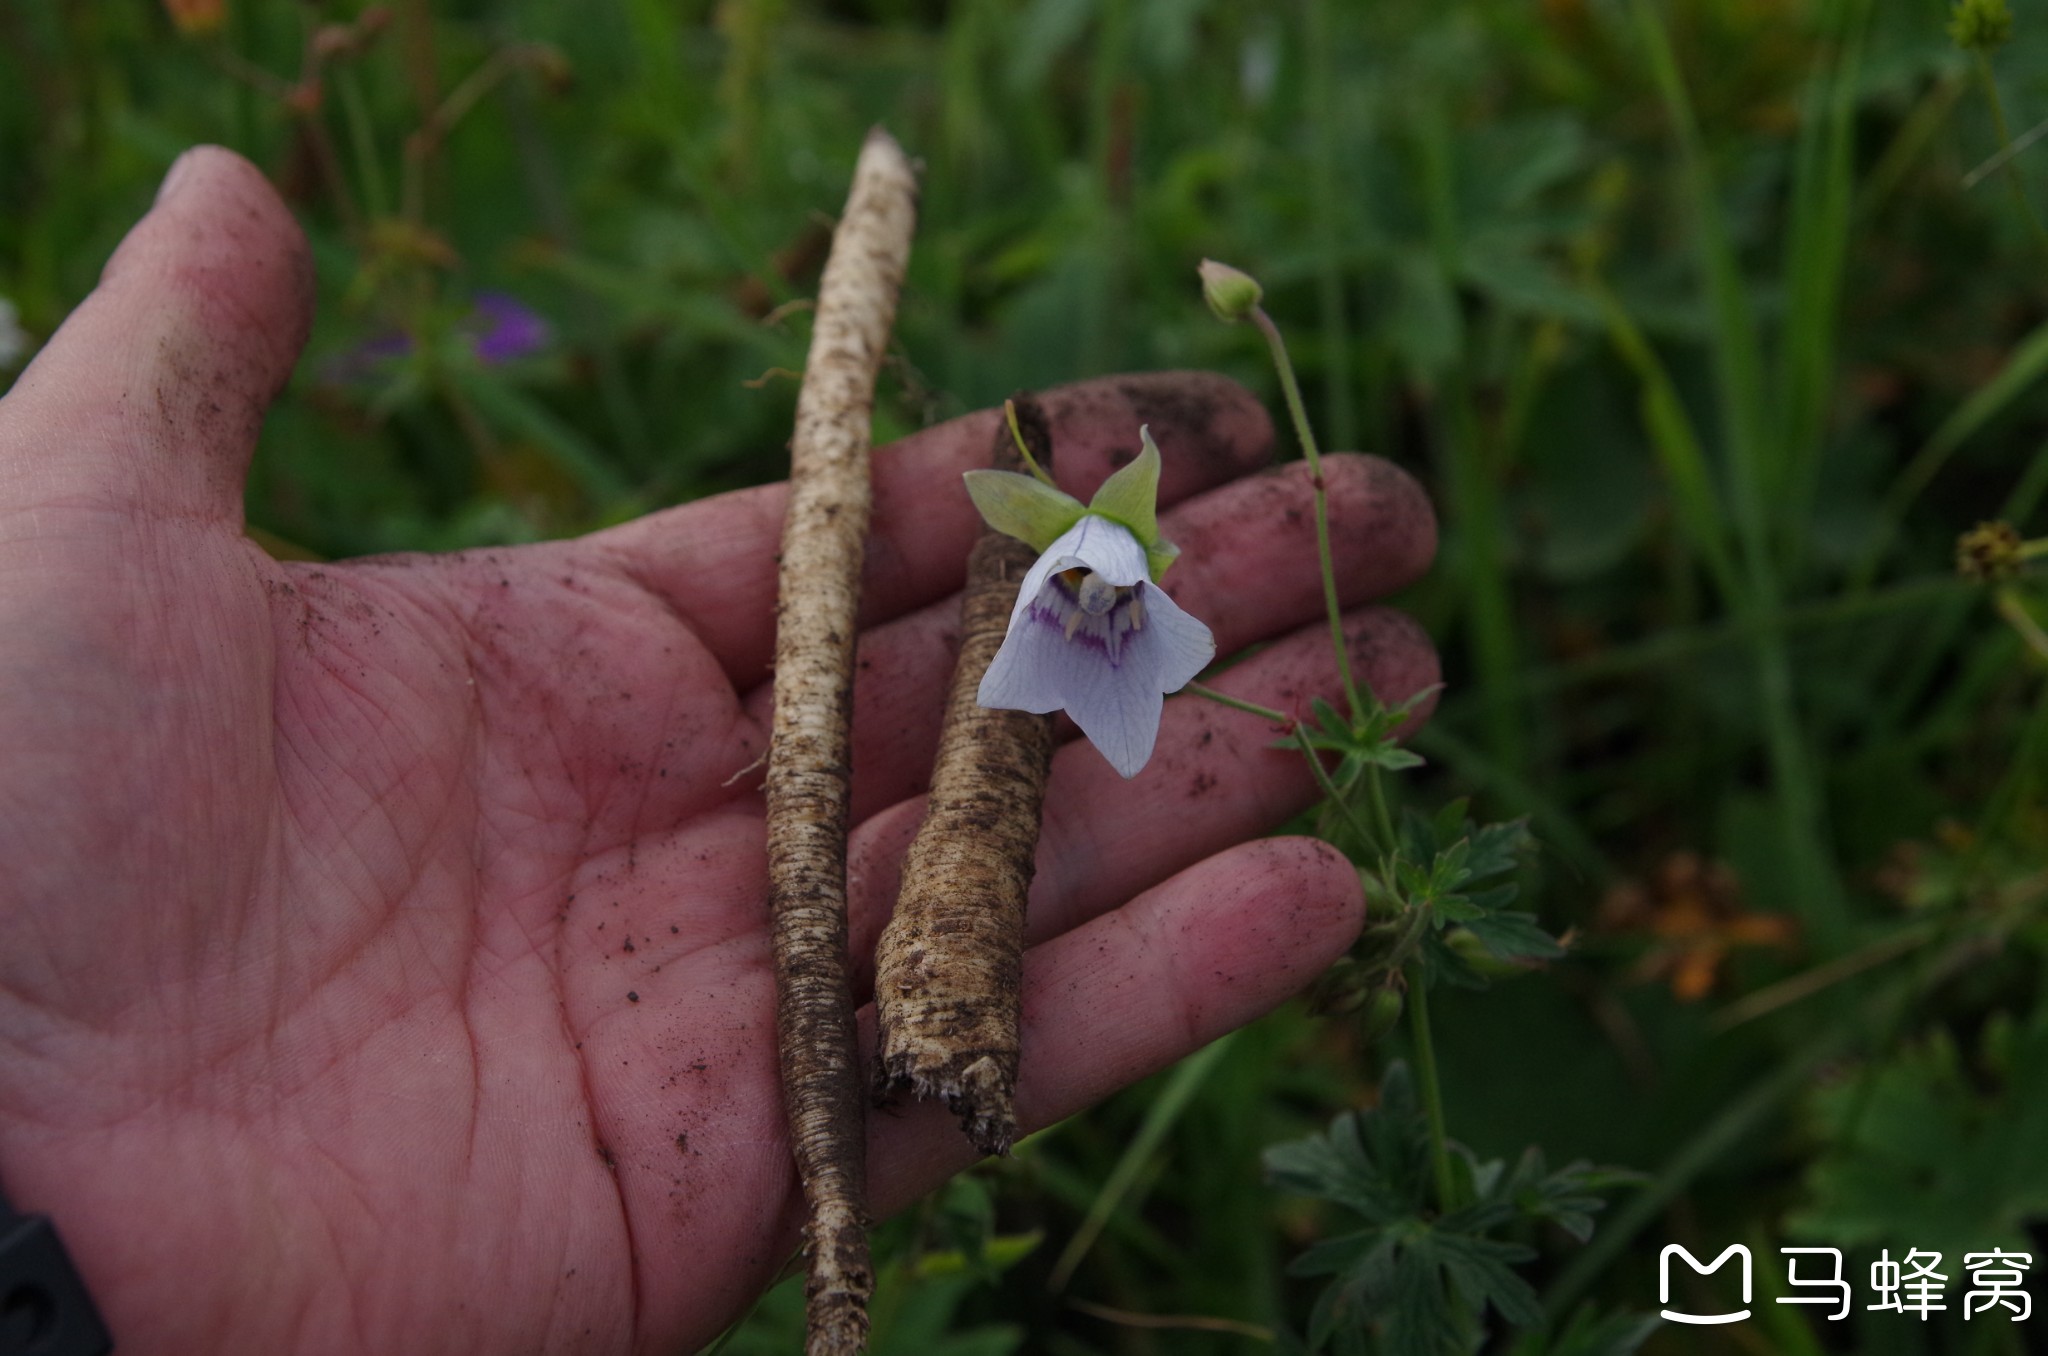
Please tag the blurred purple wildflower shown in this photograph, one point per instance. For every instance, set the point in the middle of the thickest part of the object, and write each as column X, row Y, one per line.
column 505, row 328
column 499, row 327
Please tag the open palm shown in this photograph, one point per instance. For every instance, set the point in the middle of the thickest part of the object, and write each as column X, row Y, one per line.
column 383, row 954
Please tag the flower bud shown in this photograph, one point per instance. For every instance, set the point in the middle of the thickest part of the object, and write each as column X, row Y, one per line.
column 1382, row 1013
column 1980, row 25
column 1989, row 551
column 1231, row 293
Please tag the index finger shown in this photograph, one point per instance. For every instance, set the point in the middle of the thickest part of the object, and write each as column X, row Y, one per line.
column 714, row 562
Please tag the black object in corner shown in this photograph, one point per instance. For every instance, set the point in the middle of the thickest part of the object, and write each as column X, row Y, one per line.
column 45, row 1309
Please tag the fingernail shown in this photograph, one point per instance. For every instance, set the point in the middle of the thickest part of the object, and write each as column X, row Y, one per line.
column 180, row 171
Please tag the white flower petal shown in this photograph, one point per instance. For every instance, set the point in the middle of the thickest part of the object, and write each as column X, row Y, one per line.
column 1118, row 705
column 1105, row 547
column 1032, row 670
column 1110, row 676
column 1118, row 708
column 1182, row 646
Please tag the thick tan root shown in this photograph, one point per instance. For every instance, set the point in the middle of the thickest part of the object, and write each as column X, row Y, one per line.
column 948, row 966
column 809, row 753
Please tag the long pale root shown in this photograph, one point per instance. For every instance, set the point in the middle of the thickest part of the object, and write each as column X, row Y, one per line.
column 810, row 753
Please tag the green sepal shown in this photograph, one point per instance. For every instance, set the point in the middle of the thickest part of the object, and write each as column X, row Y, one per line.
column 1019, row 506
column 1035, row 513
column 1131, row 496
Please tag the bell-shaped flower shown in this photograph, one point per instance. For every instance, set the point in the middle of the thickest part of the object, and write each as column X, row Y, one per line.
column 1091, row 633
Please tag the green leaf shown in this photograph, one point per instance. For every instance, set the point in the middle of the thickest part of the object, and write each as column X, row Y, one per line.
column 1376, row 1165
column 1919, row 1152
column 1480, row 1268
column 1412, row 1280
column 1019, row 506
column 1131, row 495
column 1568, row 1198
column 1159, row 557
column 1513, row 936
column 1369, row 743
column 1454, row 869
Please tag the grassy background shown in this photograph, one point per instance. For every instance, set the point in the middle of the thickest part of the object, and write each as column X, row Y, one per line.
column 1687, row 314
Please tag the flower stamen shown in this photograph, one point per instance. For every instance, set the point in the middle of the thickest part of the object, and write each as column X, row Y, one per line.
column 1096, row 595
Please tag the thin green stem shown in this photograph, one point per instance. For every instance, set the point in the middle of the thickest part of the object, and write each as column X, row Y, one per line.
column 1017, row 436
column 1239, row 704
column 550, row 198
column 1683, row 645
column 355, row 111
column 1471, row 483
column 1335, row 796
column 1376, row 795
column 1384, row 840
column 1292, row 390
column 426, row 141
column 1988, row 82
column 1763, row 1002
column 2010, row 798
column 1327, row 197
column 1737, row 1120
column 1908, row 145
column 1432, row 1093
column 1177, row 1091
column 2016, row 615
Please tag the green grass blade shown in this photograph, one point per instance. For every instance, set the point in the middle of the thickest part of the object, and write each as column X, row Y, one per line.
column 1181, row 1086
column 1341, row 406
column 1473, row 487
column 508, row 407
column 2029, row 362
column 1823, row 194
column 2026, row 493
column 1738, row 363
column 1676, row 444
column 1817, row 892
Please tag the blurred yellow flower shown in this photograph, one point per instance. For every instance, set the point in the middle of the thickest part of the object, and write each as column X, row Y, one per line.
column 197, row 18
column 1692, row 911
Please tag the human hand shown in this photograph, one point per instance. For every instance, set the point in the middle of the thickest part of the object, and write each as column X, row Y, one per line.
column 383, row 947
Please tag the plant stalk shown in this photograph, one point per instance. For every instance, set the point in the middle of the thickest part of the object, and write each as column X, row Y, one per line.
column 1299, row 414
column 1432, row 1093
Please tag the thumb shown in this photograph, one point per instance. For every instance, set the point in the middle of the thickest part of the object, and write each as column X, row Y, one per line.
column 149, row 398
